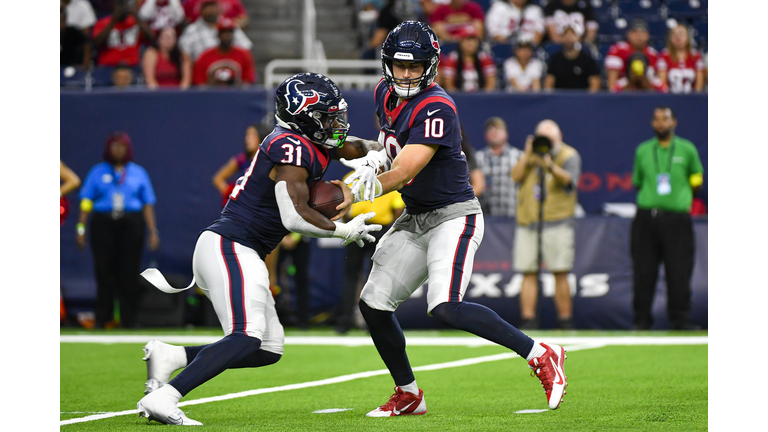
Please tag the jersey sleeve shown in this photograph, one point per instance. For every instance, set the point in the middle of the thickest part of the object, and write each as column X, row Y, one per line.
column 637, row 172
column 613, row 59
column 89, row 188
column 289, row 150
column 434, row 122
column 694, row 163
column 147, row 192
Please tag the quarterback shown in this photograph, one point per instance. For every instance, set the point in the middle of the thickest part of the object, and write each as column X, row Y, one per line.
column 436, row 237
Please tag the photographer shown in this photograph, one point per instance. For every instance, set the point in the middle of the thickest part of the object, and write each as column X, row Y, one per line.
column 561, row 165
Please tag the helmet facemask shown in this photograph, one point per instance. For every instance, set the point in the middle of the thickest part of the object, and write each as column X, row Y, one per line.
column 407, row 88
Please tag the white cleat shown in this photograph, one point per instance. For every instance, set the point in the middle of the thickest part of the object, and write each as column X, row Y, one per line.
column 161, row 407
column 162, row 361
column 550, row 371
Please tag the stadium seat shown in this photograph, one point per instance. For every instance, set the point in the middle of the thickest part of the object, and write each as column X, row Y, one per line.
column 701, row 29
column 603, row 9
column 646, row 9
column 72, row 76
column 447, row 48
column 658, row 28
column 613, row 27
column 686, row 9
column 485, row 4
column 502, row 51
column 102, row 76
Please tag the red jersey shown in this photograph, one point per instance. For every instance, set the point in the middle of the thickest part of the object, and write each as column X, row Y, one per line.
column 122, row 45
column 167, row 73
column 456, row 19
column 229, row 9
column 618, row 53
column 681, row 76
column 233, row 67
column 470, row 77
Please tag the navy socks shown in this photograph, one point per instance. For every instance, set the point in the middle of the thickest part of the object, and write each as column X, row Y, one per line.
column 210, row 360
column 484, row 322
column 390, row 342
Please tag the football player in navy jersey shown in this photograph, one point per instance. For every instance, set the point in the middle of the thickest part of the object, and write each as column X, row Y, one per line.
column 436, row 238
column 267, row 203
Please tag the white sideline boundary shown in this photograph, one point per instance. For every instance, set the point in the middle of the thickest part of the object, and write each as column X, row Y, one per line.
column 353, row 341
column 327, row 381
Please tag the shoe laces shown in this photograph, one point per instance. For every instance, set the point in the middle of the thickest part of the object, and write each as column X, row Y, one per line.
column 543, row 371
column 393, row 401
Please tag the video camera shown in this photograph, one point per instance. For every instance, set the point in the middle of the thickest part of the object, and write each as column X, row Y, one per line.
column 541, row 145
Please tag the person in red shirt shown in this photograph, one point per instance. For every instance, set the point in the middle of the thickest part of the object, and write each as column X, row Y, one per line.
column 117, row 37
column 232, row 9
column 680, row 67
column 225, row 64
column 467, row 68
column 448, row 20
column 637, row 42
column 165, row 65
column 638, row 77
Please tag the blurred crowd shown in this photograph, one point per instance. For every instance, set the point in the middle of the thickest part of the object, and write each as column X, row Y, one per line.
column 534, row 45
column 157, row 43
column 491, row 45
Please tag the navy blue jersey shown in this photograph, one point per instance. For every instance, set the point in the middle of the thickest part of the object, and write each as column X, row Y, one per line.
column 430, row 117
column 251, row 216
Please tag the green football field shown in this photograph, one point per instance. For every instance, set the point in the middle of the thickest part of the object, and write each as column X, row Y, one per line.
column 617, row 381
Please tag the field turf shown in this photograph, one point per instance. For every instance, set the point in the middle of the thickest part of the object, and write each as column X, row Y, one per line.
column 610, row 388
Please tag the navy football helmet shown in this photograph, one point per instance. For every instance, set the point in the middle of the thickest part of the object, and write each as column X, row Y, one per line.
column 411, row 41
column 311, row 105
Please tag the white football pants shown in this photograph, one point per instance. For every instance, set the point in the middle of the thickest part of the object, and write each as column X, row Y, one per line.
column 404, row 261
column 236, row 281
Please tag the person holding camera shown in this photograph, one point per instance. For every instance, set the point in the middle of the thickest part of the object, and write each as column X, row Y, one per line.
column 667, row 170
column 548, row 176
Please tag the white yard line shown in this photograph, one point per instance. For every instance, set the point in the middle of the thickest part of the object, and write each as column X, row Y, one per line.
column 334, row 380
column 469, row 341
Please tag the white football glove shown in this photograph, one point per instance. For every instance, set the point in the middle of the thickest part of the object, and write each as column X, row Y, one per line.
column 356, row 230
column 366, row 169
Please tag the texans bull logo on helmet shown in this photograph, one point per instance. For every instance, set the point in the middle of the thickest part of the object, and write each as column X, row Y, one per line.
column 299, row 99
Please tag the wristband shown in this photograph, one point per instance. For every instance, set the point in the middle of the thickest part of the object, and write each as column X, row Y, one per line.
column 295, row 236
column 81, row 229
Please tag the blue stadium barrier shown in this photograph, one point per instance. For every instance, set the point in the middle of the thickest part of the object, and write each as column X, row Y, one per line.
column 183, row 137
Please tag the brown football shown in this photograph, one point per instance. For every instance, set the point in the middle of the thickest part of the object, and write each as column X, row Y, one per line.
column 324, row 197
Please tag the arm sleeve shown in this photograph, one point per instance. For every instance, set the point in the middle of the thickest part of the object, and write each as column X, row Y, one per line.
column 147, row 192
column 613, row 60
column 573, row 166
column 694, row 165
column 88, row 189
column 637, row 172
column 291, row 219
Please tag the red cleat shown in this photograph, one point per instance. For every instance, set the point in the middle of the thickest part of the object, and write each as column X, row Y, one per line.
column 401, row 403
column 549, row 369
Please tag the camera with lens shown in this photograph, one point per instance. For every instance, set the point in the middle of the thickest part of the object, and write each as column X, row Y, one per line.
column 541, row 145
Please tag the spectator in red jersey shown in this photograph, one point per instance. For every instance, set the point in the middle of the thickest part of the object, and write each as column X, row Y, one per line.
column 468, row 68
column 164, row 65
column 637, row 77
column 619, row 53
column 232, row 9
column 448, row 19
column 680, row 67
column 117, row 37
column 225, row 64
column 159, row 14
